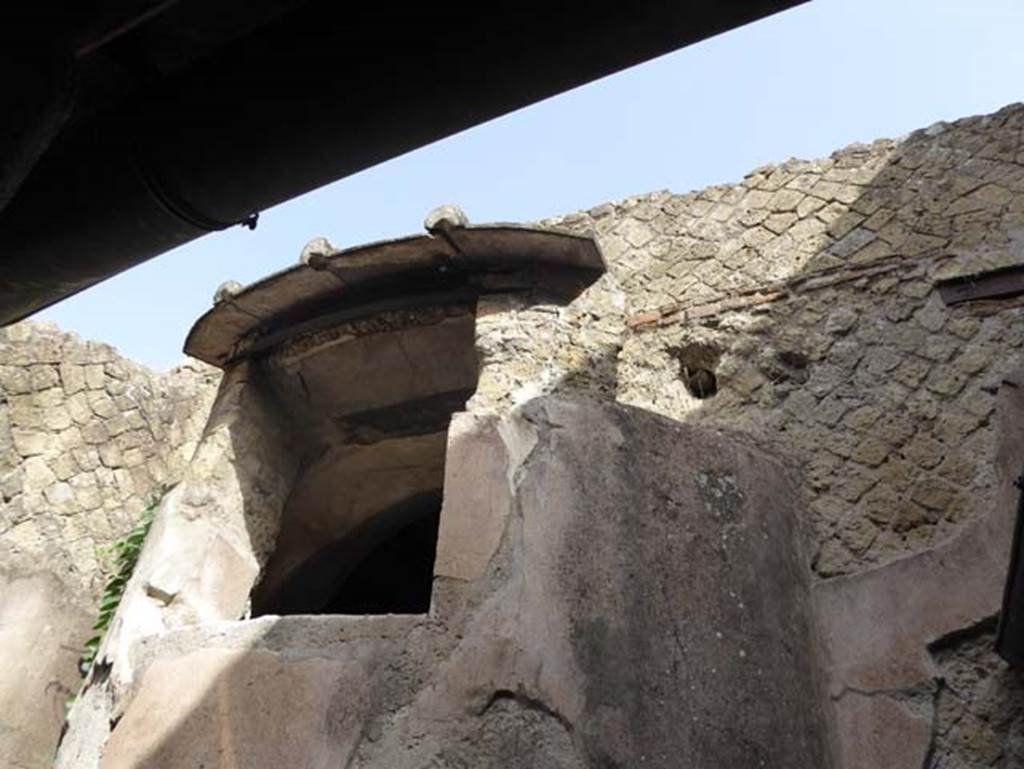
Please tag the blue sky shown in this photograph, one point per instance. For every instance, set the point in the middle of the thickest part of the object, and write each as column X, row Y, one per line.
column 799, row 84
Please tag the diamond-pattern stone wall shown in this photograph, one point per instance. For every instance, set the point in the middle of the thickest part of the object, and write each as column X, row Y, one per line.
column 86, row 438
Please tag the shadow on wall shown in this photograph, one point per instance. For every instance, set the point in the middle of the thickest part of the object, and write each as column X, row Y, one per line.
column 808, row 293
column 384, row 566
column 798, row 308
column 514, row 667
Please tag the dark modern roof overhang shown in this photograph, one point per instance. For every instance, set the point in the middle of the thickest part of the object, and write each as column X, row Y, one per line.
column 133, row 126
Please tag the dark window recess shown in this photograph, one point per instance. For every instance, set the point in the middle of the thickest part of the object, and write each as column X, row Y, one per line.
column 417, row 417
column 1010, row 633
column 385, row 567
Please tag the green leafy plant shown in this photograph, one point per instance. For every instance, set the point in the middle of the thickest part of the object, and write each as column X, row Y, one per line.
column 125, row 554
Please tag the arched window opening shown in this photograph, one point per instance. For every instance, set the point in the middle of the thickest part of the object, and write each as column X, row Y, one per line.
column 384, row 567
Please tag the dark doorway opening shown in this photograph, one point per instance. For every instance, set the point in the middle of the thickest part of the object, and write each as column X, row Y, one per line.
column 386, row 566
column 395, row 577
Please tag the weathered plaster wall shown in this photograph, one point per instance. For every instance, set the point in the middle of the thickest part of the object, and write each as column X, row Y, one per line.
column 550, row 642
column 86, row 437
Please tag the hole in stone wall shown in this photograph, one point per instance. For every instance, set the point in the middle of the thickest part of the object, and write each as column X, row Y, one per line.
column 697, row 364
column 792, row 359
column 782, row 366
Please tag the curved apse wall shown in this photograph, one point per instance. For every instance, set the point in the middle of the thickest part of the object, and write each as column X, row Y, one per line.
column 368, row 353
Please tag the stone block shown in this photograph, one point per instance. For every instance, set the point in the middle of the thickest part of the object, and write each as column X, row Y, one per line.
column 125, row 482
column 48, row 398
column 14, row 380
column 857, row 534
column 785, row 200
column 110, row 455
column 105, row 478
column 11, row 484
column 933, row 493
column 142, row 480
column 923, row 450
column 909, row 515
column 30, row 443
column 69, row 438
column 64, row 466
column 471, row 532
column 61, row 497
column 116, row 369
column 88, row 459
column 945, row 381
column 88, row 497
column 117, row 425
column 102, row 405
column 72, row 378
column 861, row 418
column 933, row 315
column 22, row 413
column 94, row 376
column 130, row 439
column 123, row 402
column 157, row 468
column 43, row 377
column 878, row 731
column 134, row 420
column 79, row 408
column 972, row 360
column 56, row 417
column 42, row 627
column 841, row 321
column 95, row 433
column 271, row 707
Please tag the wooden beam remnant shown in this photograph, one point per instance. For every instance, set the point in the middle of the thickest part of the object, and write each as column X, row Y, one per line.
column 992, row 284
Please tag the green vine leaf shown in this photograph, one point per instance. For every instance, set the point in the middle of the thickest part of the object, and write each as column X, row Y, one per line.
column 126, row 550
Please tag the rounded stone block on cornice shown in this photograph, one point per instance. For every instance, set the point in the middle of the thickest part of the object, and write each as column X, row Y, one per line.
column 227, row 290
column 316, row 252
column 444, row 218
